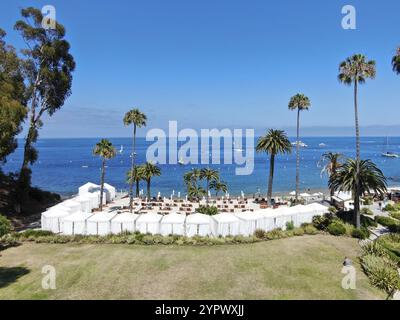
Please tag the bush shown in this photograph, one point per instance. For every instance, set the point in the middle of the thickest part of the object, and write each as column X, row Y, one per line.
column 332, row 210
column 367, row 211
column 259, row 233
column 322, row 222
column 5, row 225
column 360, row 233
column 391, row 243
column 298, row 231
column 381, row 272
column 368, row 201
column 275, row 234
column 310, row 229
column 336, row 228
column 208, row 210
column 392, row 224
column 31, row 233
column 395, row 214
column 289, row 225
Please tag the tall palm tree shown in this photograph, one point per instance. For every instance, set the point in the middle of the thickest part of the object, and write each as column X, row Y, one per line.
column 298, row 102
column 354, row 71
column 218, row 186
column 396, row 61
column 105, row 150
column 138, row 119
column 191, row 179
column 333, row 163
column 149, row 170
column 273, row 143
column 209, row 175
column 359, row 177
column 135, row 176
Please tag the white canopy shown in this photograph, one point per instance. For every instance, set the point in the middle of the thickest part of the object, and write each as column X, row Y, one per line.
column 88, row 187
column 225, row 224
column 250, row 222
column 124, row 222
column 73, row 205
column 149, row 223
column 173, row 223
column 51, row 219
column 75, row 223
column 110, row 192
column 100, row 223
column 198, row 224
column 305, row 195
column 85, row 202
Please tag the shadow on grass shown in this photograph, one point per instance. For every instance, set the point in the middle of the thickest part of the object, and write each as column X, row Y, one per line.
column 10, row 275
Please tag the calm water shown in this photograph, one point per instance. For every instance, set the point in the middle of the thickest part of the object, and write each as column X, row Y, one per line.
column 65, row 164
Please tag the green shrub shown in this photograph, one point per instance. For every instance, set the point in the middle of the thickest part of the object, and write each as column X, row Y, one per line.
column 381, row 272
column 259, row 233
column 208, row 210
column 289, row 225
column 332, row 210
column 367, row 211
column 275, row 234
column 395, row 214
column 391, row 243
column 367, row 222
column 310, row 229
column 5, row 225
column 32, row 234
column 336, row 228
column 368, row 201
column 322, row 222
column 392, row 224
column 298, row 231
column 360, row 233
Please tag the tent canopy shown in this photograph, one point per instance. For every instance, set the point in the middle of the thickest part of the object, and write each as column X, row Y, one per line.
column 198, row 218
column 173, row 218
column 78, row 216
column 225, row 218
column 125, row 217
column 102, row 217
column 149, row 218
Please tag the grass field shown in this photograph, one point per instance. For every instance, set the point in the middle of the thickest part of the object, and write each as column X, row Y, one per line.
column 307, row 267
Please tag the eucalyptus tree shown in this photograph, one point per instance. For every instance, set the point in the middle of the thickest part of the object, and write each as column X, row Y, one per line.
column 106, row 151
column 353, row 71
column 138, row 119
column 12, row 98
column 273, row 143
column 48, row 70
column 358, row 177
column 298, row 102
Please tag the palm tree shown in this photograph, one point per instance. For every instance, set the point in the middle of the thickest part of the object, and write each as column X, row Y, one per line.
column 191, row 179
column 149, row 170
column 218, row 186
column 273, row 143
column 332, row 165
column 299, row 102
column 209, row 175
column 396, row 61
column 359, row 177
column 353, row 71
column 135, row 176
column 138, row 119
column 105, row 150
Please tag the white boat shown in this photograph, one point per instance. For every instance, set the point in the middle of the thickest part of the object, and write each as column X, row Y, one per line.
column 300, row 143
column 322, row 145
column 389, row 154
column 121, row 149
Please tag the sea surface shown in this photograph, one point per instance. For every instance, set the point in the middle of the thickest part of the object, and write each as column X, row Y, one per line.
column 66, row 164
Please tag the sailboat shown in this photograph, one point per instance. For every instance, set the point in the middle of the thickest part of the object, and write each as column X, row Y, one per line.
column 121, row 149
column 389, row 154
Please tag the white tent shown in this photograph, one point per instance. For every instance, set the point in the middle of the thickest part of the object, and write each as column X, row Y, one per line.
column 225, row 224
column 110, row 192
column 72, row 205
column 149, row 223
column 313, row 209
column 269, row 217
column 88, row 187
column 85, row 201
column 51, row 220
column 250, row 222
column 100, row 223
column 75, row 223
column 280, row 217
column 124, row 222
column 94, row 198
column 198, row 224
column 173, row 223
column 291, row 214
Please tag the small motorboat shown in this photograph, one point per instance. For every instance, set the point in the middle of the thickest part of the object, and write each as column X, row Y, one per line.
column 322, row 145
column 300, row 143
column 390, row 155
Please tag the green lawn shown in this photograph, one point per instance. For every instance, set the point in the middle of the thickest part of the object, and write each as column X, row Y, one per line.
column 305, row 267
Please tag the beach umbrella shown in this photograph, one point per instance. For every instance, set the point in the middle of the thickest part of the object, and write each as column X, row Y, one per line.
column 293, row 193
column 179, row 194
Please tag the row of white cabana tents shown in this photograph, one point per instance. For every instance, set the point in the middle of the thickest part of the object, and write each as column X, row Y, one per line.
column 224, row 224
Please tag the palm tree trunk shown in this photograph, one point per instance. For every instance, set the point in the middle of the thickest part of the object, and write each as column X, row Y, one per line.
column 132, row 166
column 137, row 188
column 298, row 156
column 148, row 190
column 208, row 183
column 357, row 196
column 271, row 178
column 103, row 169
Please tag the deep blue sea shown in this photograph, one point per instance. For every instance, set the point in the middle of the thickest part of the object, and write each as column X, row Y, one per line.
column 65, row 164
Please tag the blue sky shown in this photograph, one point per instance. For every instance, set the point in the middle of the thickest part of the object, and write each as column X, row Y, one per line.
column 221, row 63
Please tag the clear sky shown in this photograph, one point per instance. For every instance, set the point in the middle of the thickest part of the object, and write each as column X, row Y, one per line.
column 219, row 63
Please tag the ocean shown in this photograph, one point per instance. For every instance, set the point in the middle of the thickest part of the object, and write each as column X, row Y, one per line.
column 66, row 164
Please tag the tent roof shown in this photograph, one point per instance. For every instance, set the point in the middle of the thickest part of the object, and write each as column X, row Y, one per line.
column 305, row 195
column 198, row 218
column 317, row 206
column 89, row 185
column 173, row 218
column 225, row 218
column 102, row 216
column 149, row 217
column 108, row 186
column 70, row 203
column 56, row 212
column 296, row 209
column 250, row 216
column 125, row 217
column 78, row 216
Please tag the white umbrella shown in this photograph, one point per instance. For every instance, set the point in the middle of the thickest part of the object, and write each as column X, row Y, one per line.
column 293, row 193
